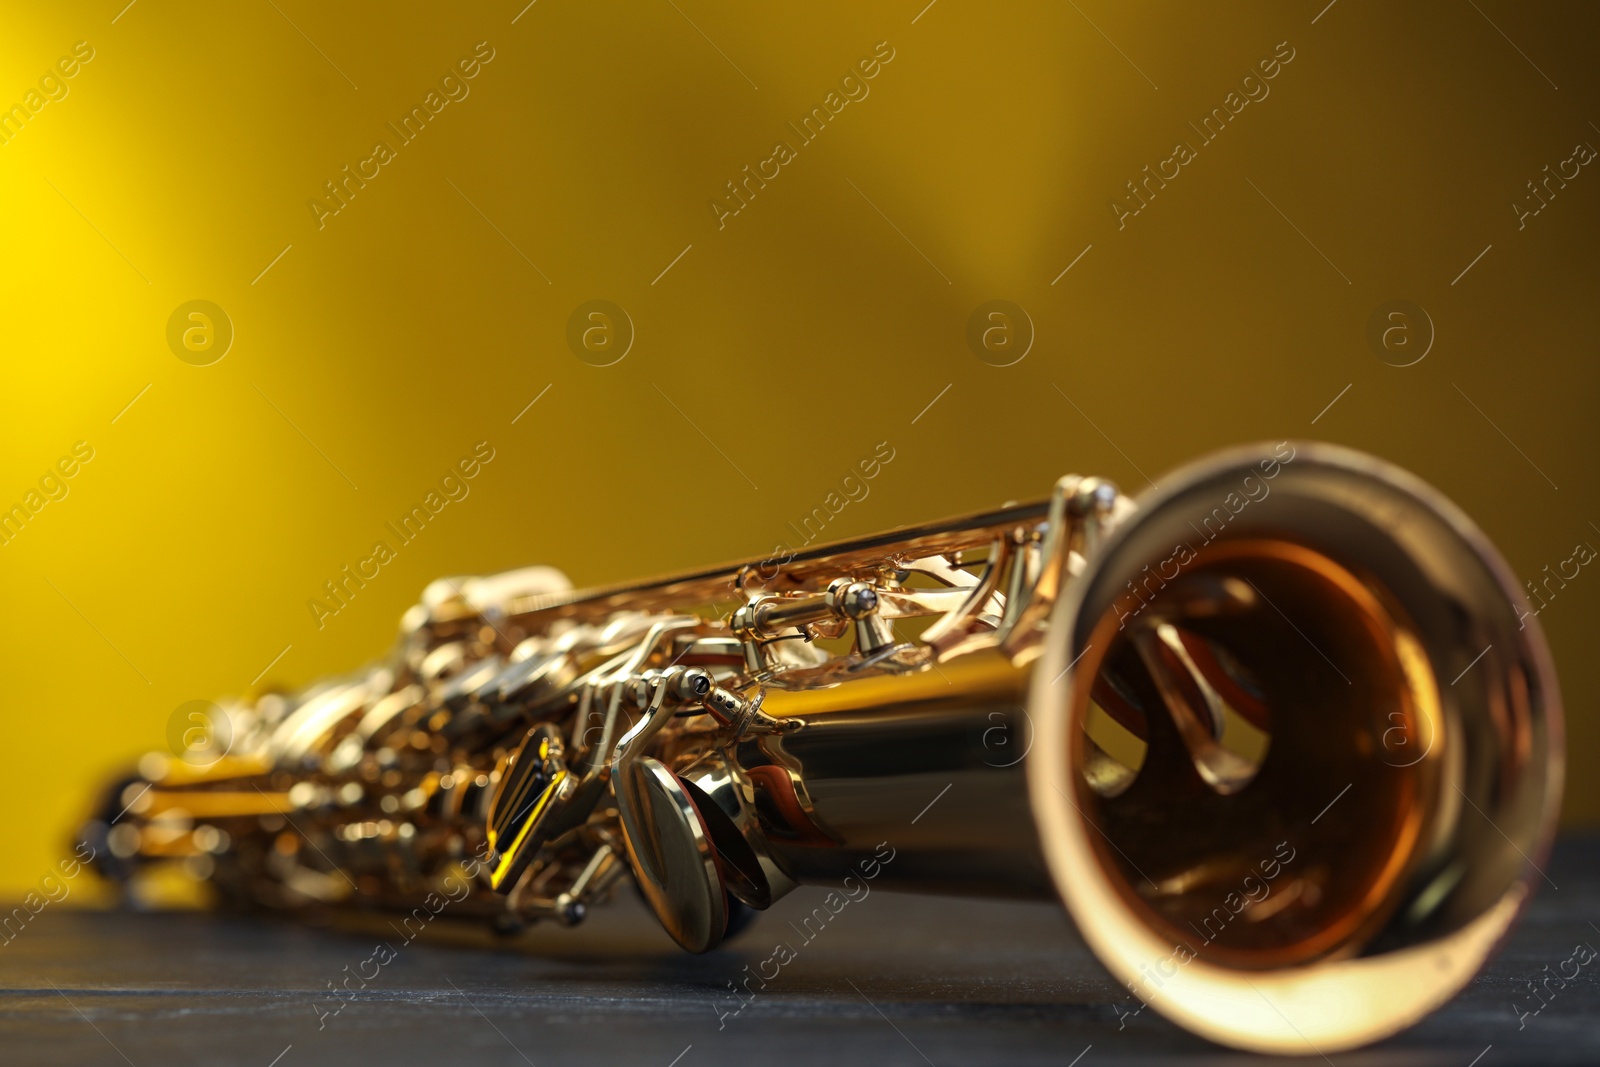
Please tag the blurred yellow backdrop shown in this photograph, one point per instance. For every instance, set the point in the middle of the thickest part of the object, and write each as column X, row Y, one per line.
column 560, row 153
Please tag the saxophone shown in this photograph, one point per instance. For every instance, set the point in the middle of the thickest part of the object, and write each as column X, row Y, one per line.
column 1281, row 735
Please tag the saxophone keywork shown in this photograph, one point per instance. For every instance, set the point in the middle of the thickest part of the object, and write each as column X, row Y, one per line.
column 1176, row 714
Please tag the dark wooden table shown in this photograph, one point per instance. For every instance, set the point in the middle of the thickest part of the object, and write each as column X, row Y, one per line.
column 891, row 980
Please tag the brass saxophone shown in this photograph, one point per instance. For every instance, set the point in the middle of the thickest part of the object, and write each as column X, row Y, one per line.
column 1281, row 735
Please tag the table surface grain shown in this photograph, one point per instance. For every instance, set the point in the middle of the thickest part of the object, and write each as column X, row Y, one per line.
column 890, row 980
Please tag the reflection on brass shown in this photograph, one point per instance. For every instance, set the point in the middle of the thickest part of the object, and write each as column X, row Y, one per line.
column 1275, row 734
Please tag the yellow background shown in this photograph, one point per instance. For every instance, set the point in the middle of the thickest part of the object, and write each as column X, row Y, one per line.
column 821, row 320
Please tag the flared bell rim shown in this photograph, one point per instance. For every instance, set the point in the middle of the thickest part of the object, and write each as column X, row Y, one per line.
column 1323, row 1006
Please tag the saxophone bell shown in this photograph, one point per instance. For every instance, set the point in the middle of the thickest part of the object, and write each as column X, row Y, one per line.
column 1292, row 760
